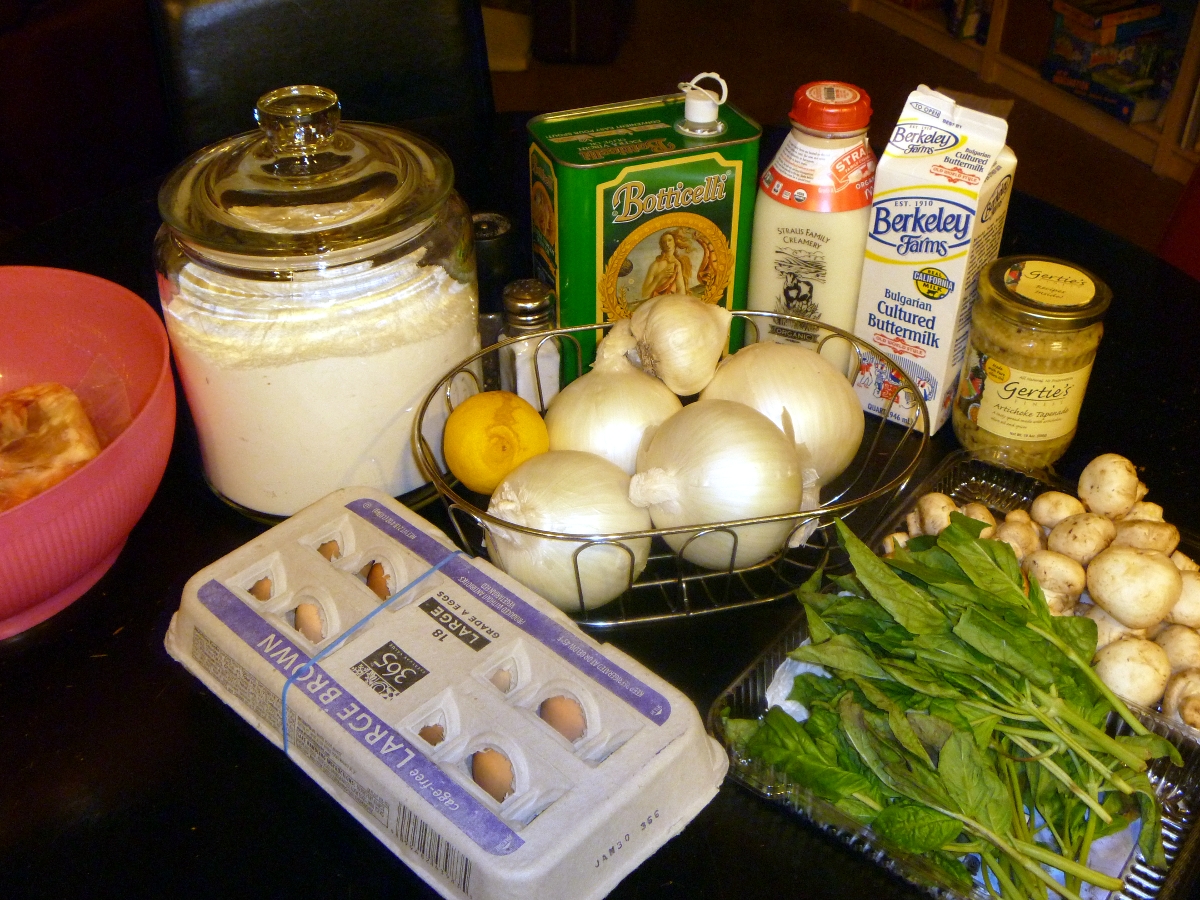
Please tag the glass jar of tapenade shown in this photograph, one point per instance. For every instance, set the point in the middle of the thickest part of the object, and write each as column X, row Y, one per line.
column 1034, row 332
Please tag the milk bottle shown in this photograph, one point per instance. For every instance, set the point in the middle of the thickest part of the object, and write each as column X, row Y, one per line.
column 810, row 218
column 941, row 195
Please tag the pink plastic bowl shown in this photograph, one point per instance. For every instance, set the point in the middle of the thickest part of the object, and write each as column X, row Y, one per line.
column 58, row 325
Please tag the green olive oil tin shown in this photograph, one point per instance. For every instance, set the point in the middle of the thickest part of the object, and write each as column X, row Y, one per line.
column 626, row 205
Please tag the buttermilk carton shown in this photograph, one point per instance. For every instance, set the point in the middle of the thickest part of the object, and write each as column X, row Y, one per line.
column 941, row 195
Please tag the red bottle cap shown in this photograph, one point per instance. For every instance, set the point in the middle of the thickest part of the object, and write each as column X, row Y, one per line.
column 833, row 107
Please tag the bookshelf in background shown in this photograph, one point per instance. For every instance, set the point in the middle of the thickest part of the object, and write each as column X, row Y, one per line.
column 1014, row 57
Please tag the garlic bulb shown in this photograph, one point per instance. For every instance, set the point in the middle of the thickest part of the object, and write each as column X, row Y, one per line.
column 680, row 339
column 719, row 461
column 574, row 493
column 608, row 410
column 801, row 392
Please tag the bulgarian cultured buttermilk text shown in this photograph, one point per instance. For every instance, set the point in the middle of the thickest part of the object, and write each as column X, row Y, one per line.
column 941, row 194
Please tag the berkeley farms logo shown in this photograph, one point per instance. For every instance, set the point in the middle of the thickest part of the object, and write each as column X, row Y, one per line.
column 919, row 139
column 921, row 226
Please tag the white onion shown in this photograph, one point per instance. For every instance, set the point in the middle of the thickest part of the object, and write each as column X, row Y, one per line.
column 719, row 461
column 608, row 410
column 801, row 392
column 568, row 492
column 680, row 339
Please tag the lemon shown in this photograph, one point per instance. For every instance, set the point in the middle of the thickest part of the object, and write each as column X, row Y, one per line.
column 490, row 434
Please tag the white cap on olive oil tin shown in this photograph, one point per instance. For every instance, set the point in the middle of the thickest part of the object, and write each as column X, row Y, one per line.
column 701, row 107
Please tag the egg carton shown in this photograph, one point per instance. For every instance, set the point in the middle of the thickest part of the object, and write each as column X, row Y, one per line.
column 356, row 637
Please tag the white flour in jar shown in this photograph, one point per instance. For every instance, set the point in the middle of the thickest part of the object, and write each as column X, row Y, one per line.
column 292, row 403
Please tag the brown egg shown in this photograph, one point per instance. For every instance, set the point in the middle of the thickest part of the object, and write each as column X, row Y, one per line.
column 377, row 580
column 261, row 589
column 330, row 550
column 502, row 679
column 564, row 715
column 493, row 772
column 308, row 621
column 432, row 734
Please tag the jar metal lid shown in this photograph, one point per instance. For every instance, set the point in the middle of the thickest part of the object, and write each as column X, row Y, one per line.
column 1043, row 292
column 305, row 183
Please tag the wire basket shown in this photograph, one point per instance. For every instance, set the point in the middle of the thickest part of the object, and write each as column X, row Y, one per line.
column 670, row 586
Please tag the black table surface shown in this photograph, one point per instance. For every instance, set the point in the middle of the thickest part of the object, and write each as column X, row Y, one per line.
column 121, row 775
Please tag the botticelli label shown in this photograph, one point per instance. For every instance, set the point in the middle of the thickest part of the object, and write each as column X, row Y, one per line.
column 1018, row 405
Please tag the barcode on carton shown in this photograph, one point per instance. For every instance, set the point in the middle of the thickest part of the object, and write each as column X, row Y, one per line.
column 416, row 834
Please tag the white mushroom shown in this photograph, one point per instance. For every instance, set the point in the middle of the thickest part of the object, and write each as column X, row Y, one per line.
column 981, row 513
column 1082, row 536
column 1136, row 587
column 1061, row 578
column 1145, row 510
column 1052, row 507
column 1183, row 562
column 1108, row 629
column 932, row 514
column 1186, row 610
column 1020, row 534
column 1109, row 485
column 1182, row 645
column 1135, row 668
column 1181, row 700
column 894, row 541
column 1147, row 534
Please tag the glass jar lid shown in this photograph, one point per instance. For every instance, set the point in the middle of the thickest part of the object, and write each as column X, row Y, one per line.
column 305, row 183
column 1043, row 292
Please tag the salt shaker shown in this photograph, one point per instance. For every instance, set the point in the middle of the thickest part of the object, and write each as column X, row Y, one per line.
column 529, row 313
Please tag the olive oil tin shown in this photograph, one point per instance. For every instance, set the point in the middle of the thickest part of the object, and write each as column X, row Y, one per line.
column 626, row 206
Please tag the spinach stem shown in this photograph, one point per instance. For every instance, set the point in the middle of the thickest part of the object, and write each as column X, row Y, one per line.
column 1058, row 772
column 1117, row 703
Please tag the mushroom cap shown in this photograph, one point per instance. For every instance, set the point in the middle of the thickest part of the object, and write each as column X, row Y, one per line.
column 1182, row 645
column 1135, row 668
column 1148, row 534
column 1055, row 572
column 1186, row 610
column 1081, row 536
column 1181, row 685
column 1108, row 629
column 1109, row 485
column 1051, row 507
column 1136, row 587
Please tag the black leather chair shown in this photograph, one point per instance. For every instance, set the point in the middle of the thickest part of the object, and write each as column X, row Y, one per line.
column 420, row 64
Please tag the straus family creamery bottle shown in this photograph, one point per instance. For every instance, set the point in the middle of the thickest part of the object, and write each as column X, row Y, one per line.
column 810, row 218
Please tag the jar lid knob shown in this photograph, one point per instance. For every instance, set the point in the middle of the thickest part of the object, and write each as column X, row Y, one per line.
column 301, row 117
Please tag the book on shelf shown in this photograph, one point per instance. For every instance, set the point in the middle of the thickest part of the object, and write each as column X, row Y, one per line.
column 1100, row 14
column 968, row 18
column 1145, row 56
column 1126, row 106
column 1126, row 31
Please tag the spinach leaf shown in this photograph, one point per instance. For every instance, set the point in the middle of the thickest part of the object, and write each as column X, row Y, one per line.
column 906, row 604
column 1006, row 645
column 917, row 829
column 841, row 653
column 818, row 631
column 972, row 781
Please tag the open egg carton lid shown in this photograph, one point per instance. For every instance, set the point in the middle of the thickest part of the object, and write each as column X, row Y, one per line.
column 466, row 722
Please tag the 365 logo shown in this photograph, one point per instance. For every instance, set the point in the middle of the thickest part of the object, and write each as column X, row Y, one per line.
column 389, row 671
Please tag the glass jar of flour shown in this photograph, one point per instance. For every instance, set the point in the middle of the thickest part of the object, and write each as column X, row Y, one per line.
column 317, row 279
